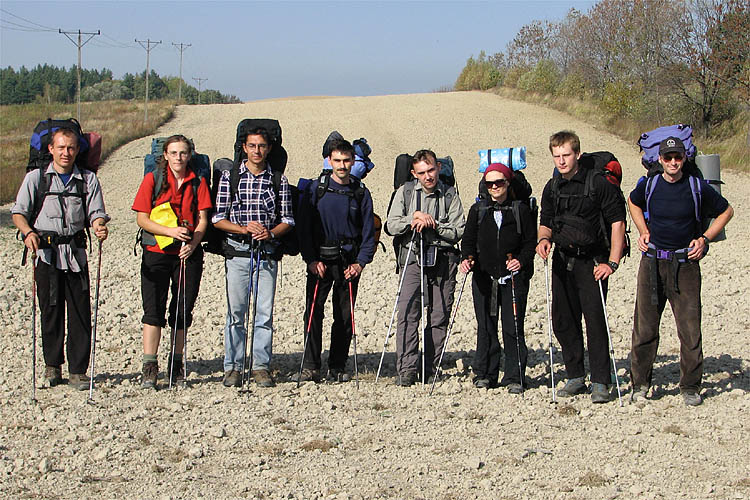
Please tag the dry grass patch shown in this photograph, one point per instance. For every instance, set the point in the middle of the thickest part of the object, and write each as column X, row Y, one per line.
column 318, row 444
column 118, row 122
column 270, row 450
column 378, row 406
column 592, row 480
column 745, row 483
column 674, row 429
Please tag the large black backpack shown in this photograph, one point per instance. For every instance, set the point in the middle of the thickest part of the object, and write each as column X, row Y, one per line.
column 599, row 163
column 277, row 159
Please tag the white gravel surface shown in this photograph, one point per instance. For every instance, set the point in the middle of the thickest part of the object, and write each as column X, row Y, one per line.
column 381, row 441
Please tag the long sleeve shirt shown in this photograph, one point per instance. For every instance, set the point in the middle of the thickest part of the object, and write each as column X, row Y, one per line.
column 450, row 222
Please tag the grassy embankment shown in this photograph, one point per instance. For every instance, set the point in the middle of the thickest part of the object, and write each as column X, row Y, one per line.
column 117, row 121
column 731, row 139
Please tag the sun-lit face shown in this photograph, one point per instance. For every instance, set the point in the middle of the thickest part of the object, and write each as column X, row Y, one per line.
column 177, row 156
column 341, row 163
column 497, row 185
column 257, row 150
column 672, row 163
column 566, row 160
column 426, row 173
column 64, row 149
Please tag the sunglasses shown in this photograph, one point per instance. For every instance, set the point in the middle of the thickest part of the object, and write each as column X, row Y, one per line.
column 496, row 184
column 675, row 156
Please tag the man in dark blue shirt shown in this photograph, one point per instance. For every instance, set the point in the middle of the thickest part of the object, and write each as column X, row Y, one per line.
column 337, row 240
column 672, row 244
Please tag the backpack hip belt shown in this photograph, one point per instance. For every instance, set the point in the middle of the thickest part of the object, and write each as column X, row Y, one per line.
column 676, row 257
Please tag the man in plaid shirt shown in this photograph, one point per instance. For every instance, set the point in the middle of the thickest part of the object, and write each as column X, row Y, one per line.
column 251, row 220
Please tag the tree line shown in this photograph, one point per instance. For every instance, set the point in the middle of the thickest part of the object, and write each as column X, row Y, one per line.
column 50, row 84
column 653, row 61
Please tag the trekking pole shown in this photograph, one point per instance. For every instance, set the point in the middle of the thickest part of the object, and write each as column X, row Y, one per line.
column 93, row 328
column 255, row 308
column 354, row 333
column 515, row 323
column 307, row 331
column 395, row 305
column 184, row 320
column 448, row 336
column 609, row 338
column 422, row 316
column 174, row 326
column 549, row 331
column 247, row 316
column 33, row 327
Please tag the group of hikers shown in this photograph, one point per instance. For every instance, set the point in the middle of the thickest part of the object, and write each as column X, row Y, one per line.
column 582, row 225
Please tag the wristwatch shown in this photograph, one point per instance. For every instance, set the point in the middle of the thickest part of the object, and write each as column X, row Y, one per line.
column 613, row 265
column 705, row 239
column 273, row 236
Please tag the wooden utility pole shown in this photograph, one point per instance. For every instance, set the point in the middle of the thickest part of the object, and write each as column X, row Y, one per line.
column 148, row 46
column 200, row 82
column 79, row 43
column 181, row 47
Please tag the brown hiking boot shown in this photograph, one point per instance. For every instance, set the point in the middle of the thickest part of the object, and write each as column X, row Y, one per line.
column 308, row 374
column 149, row 375
column 53, row 375
column 232, row 379
column 178, row 375
column 263, row 378
column 79, row 381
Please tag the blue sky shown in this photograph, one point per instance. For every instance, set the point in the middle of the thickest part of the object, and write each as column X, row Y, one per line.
column 258, row 50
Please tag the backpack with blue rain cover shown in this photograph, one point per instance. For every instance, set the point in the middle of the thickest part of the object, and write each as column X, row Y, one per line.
column 200, row 164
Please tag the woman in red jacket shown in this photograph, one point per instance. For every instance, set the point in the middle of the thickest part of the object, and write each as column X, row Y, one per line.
column 175, row 182
column 499, row 239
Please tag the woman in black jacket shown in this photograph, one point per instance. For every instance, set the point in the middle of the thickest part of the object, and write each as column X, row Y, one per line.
column 499, row 239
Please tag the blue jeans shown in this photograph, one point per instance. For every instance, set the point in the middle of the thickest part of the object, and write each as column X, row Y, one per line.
column 238, row 271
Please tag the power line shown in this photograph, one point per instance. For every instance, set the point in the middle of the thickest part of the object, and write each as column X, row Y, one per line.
column 123, row 44
column 181, row 47
column 149, row 45
column 200, row 82
column 21, row 27
column 79, row 44
column 46, row 28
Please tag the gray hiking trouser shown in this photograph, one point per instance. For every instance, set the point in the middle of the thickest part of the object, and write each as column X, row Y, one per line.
column 440, row 282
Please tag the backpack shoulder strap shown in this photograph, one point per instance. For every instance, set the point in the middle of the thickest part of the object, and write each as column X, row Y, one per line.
column 515, row 207
column 234, row 181
column 323, row 182
column 695, row 190
column 650, row 186
column 158, row 174
column 408, row 193
column 41, row 193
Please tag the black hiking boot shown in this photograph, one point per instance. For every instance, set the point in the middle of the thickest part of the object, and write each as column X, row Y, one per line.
column 178, row 374
column 336, row 375
column 406, row 380
column 53, row 375
column 308, row 374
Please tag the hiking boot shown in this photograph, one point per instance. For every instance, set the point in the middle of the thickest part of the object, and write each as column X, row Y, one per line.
column 307, row 375
column 599, row 393
column 638, row 393
column 79, row 381
column 692, row 398
column 515, row 388
column 482, row 383
column 406, row 380
column 337, row 375
column 263, row 378
column 178, row 375
column 53, row 375
column 572, row 387
column 232, row 378
column 149, row 375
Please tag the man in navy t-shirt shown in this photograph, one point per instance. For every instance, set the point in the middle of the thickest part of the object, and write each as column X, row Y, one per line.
column 672, row 244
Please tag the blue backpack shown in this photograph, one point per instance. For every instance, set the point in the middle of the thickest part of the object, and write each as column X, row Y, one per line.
column 649, row 142
column 695, row 190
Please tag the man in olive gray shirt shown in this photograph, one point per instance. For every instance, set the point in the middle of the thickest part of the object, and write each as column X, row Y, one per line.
column 425, row 209
column 56, row 236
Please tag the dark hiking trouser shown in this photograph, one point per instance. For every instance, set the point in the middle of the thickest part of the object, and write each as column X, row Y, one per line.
column 71, row 290
column 440, row 282
column 160, row 273
column 487, row 356
column 576, row 293
column 686, row 306
column 341, row 329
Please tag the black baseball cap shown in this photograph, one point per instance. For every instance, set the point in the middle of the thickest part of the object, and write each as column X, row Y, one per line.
column 671, row 145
